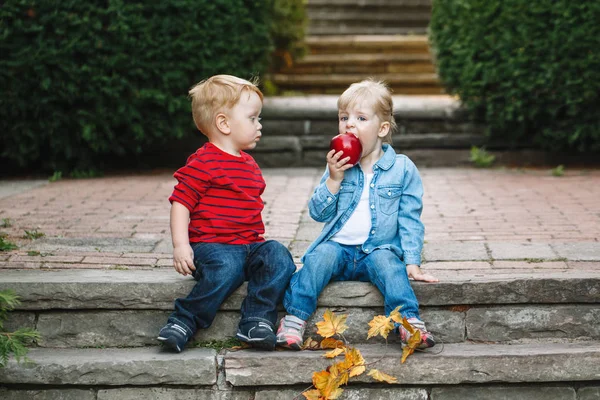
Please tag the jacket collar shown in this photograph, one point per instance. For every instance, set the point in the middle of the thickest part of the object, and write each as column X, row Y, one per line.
column 388, row 159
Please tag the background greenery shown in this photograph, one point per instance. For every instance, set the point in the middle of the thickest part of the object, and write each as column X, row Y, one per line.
column 529, row 68
column 88, row 83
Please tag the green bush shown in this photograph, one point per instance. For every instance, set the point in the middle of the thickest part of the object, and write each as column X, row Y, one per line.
column 530, row 69
column 85, row 82
column 287, row 30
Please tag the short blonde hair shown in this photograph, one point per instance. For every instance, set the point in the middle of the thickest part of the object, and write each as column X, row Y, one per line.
column 216, row 94
column 379, row 94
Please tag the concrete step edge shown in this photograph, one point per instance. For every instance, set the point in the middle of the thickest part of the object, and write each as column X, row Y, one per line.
column 454, row 364
column 156, row 289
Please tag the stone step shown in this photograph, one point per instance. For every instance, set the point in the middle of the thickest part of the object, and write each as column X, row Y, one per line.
column 369, row 44
column 86, row 308
column 377, row 17
column 467, row 369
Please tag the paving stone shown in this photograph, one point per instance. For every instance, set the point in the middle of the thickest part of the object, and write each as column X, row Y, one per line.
column 589, row 251
column 12, row 187
column 51, row 394
column 450, row 251
column 500, row 324
column 113, row 367
column 521, row 251
column 456, row 364
column 504, row 393
column 112, row 244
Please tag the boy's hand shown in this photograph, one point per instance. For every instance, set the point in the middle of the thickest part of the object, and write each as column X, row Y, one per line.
column 183, row 259
column 337, row 165
column 415, row 272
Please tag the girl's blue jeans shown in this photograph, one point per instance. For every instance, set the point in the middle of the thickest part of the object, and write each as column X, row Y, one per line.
column 331, row 261
column 222, row 268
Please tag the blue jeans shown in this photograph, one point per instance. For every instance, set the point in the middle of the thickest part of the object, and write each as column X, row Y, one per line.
column 222, row 268
column 331, row 261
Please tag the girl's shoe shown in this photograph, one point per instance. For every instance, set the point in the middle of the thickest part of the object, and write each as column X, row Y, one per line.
column 427, row 339
column 174, row 336
column 290, row 332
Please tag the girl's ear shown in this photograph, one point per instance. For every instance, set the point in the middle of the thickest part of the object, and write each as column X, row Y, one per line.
column 384, row 129
column 222, row 124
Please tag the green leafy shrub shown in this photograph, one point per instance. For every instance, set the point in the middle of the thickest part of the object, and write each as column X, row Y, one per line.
column 530, row 69
column 288, row 26
column 13, row 342
column 85, row 82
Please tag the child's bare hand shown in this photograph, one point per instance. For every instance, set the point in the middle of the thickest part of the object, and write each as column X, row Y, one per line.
column 183, row 259
column 337, row 165
column 415, row 272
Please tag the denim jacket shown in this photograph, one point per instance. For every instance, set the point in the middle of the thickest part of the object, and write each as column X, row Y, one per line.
column 395, row 197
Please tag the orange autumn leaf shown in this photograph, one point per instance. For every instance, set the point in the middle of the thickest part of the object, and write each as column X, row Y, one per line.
column 330, row 343
column 355, row 361
column 381, row 376
column 407, row 325
column 380, row 325
column 333, row 353
column 312, row 395
column 331, row 324
column 356, row 371
column 413, row 343
column 395, row 315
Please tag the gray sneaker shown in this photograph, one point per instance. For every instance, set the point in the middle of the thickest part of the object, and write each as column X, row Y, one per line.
column 290, row 332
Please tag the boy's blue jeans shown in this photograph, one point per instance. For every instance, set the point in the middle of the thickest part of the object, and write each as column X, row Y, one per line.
column 222, row 268
column 333, row 261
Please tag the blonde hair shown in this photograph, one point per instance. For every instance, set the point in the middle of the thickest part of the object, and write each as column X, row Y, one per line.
column 215, row 94
column 380, row 96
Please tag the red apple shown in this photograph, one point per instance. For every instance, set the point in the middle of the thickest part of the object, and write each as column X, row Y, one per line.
column 349, row 144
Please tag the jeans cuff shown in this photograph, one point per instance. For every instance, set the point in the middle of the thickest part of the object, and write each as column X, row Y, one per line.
column 257, row 319
column 298, row 313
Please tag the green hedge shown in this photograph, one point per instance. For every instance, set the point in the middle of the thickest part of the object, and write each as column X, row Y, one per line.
column 83, row 82
column 529, row 68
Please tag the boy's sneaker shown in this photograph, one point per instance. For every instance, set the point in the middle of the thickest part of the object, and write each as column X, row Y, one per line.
column 427, row 339
column 257, row 334
column 174, row 336
column 290, row 332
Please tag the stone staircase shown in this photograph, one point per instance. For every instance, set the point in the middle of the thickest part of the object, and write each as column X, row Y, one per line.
column 503, row 335
column 350, row 40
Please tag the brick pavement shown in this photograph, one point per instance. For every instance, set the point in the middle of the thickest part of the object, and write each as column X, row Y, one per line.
column 477, row 221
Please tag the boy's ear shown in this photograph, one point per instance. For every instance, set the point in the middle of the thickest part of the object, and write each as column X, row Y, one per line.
column 384, row 129
column 222, row 124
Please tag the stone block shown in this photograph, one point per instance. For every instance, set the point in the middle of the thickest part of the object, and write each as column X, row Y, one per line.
column 113, row 367
column 171, row 394
column 582, row 251
column 503, row 393
column 501, row 324
column 17, row 320
column 588, row 393
column 50, row 394
column 351, row 394
column 457, row 364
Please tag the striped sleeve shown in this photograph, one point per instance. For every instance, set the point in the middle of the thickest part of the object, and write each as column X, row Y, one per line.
column 192, row 183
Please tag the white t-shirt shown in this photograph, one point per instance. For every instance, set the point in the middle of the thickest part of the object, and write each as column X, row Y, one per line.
column 356, row 230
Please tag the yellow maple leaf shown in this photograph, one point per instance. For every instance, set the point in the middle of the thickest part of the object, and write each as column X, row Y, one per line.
column 331, row 343
column 333, row 353
column 321, row 379
column 411, row 345
column 407, row 325
column 356, row 371
column 312, row 395
column 395, row 315
column 380, row 325
column 331, row 324
column 382, row 376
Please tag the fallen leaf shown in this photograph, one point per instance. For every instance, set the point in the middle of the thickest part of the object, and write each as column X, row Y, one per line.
column 380, row 325
column 333, row 353
column 331, row 324
column 310, row 344
column 312, row 395
column 330, row 343
column 413, row 343
column 381, row 376
column 395, row 315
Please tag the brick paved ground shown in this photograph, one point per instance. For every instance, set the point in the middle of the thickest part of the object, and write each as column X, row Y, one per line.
column 476, row 220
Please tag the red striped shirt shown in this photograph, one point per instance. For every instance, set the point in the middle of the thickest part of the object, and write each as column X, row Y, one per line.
column 222, row 192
